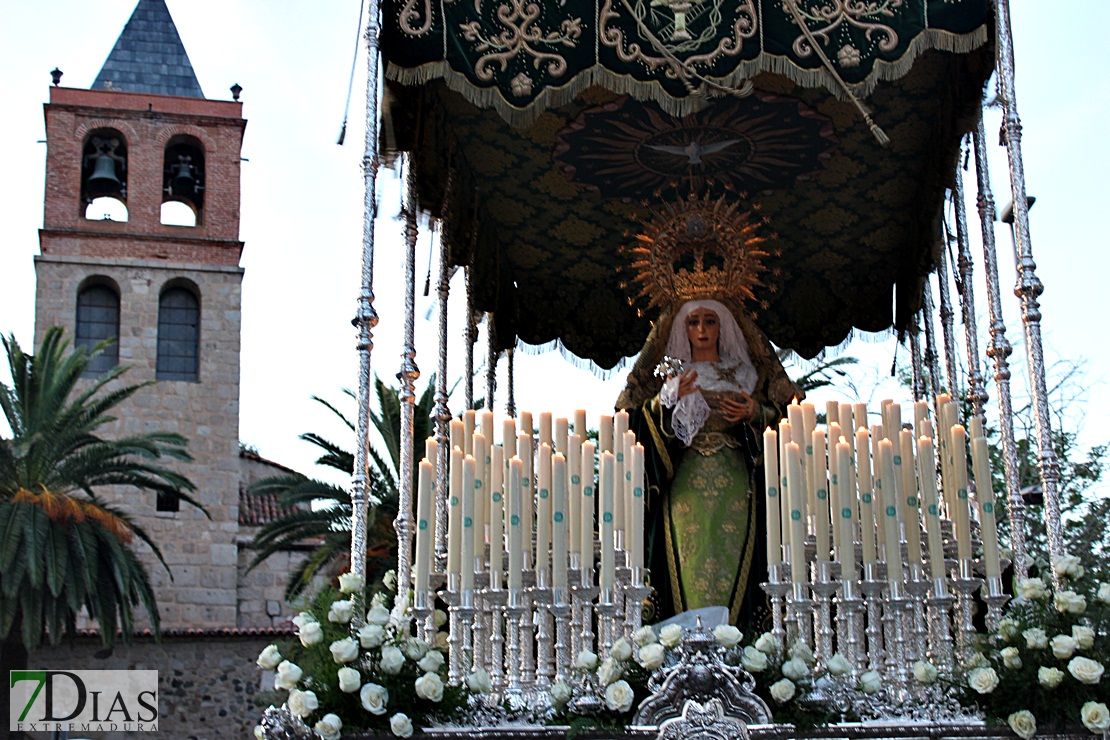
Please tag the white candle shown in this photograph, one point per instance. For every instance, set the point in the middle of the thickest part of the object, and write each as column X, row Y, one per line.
column 497, row 517
column 891, row 539
column 574, row 491
column 516, row 560
column 819, row 474
column 832, row 415
column 797, row 513
column 771, row 486
column 456, row 434
column 834, row 473
column 847, row 423
column 975, row 427
column 589, row 509
column 893, row 421
column 927, row 474
column 605, row 434
column 481, row 491
column 526, row 423
column 454, row 512
column 859, row 415
column 558, row 521
column 508, row 439
column 620, row 426
column 425, row 526
column 561, row 435
column 468, row 528
column 920, row 414
column 846, row 510
column 958, row 446
column 608, row 550
column 785, row 437
column 580, row 423
column 468, row 431
column 980, row 461
column 545, row 427
column 544, row 509
column 625, row 489
column 527, row 497
column 867, row 523
column 911, row 506
column 637, row 505
column 431, row 452
column 487, row 426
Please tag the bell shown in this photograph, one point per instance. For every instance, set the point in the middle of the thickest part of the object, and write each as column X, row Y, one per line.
column 103, row 180
column 182, row 182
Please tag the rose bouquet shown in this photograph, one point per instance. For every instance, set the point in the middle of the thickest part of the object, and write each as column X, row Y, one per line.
column 378, row 677
column 1052, row 648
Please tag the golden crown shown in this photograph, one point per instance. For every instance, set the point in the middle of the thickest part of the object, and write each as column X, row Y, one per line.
column 700, row 247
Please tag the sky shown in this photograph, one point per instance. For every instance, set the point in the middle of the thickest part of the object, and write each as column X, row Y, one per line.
column 302, row 199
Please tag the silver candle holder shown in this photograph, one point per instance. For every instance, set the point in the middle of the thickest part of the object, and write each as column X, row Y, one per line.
column 966, row 584
column 996, row 599
column 776, row 588
column 873, row 586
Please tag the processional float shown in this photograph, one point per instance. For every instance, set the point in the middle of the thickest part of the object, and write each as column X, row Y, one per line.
column 541, row 135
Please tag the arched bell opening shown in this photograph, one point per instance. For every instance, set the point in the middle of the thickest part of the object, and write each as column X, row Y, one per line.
column 104, row 175
column 183, row 182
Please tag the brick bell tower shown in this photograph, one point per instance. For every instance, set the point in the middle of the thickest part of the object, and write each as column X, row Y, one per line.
column 140, row 244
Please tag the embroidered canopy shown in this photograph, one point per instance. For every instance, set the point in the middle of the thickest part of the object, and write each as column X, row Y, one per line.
column 548, row 132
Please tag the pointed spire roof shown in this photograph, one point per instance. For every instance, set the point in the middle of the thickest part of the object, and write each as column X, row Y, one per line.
column 149, row 57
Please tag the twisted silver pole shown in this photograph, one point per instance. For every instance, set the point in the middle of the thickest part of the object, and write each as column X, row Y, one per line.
column 1029, row 286
column 931, row 361
column 442, row 410
column 404, row 523
column 946, row 322
column 471, row 334
column 510, row 404
column 999, row 349
column 366, row 318
column 916, row 369
column 491, row 363
column 976, row 390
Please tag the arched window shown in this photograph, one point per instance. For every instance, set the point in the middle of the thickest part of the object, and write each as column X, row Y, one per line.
column 104, row 174
column 98, row 320
column 183, row 181
column 178, row 335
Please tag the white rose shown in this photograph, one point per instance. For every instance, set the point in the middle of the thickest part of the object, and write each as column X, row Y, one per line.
column 727, row 636
column 479, row 682
column 560, row 693
column 609, row 671
column 1084, row 636
column 302, row 619
column 977, row 660
column 782, row 691
column 414, row 648
column 398, row 618
column 754, row 661
column 392, row 660
column 795, row 669
column 1007, row 629
column 1050, row 678
column 586, row 661
column 618, row 697
column 1067, row 566
column 838, row 665
column 401, row 725
column 870, row 682
column 371, row 635
column 329, row 728
column 430, row 687
column 431, row 662
column 801, row 651
column 924, row 672
column 1035, row 638
column 378, row 614
column 439, row 618
column 341, row 611
column 1104, row 593
column 644, row 636
column 443, row 640
column 344, row 651
column 651, row 656
column 1085, row 670
column 983, row 680
column 349, row 583
column 302, row 703
column 374, row 698
column 269, row 658
column 389, row 580
column 1023, row 723
column 1063, row 646
column 378, row 599
column 1010, row 657
column 288, row 674
column 1032, row 589
column 310, row 633
column 349, row 680
column 1095, row 716
column 621, row 650
column 1069, row 602
column 766, row 644
column 259, row 732
column 671, row 635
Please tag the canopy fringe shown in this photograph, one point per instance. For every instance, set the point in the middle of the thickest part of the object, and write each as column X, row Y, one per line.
column 581, row 363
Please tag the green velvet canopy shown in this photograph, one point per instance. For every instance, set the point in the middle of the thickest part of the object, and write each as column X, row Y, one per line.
column 545, row 131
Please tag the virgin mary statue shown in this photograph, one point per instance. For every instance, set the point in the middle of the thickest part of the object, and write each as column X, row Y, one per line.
column 702, row 426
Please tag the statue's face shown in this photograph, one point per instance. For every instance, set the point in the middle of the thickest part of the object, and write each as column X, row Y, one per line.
column 702, row 329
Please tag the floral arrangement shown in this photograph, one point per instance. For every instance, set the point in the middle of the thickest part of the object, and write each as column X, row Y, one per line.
column 376, row 677
column 1050, row 654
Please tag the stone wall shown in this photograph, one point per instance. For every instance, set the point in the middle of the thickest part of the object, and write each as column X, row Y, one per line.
column 206, row 682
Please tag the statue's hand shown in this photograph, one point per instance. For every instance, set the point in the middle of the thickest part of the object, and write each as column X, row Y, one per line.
column 738, row 407
column 688, row 383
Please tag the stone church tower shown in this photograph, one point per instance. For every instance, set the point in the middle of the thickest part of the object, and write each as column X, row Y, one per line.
column 160, row 275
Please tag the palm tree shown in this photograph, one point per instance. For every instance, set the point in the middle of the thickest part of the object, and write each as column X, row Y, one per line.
column 63, row 548
column 329, row 523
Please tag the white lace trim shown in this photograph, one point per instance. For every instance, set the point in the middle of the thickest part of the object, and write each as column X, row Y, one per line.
column 690, row 412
